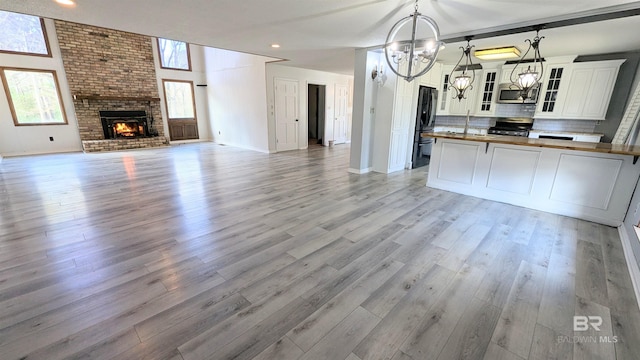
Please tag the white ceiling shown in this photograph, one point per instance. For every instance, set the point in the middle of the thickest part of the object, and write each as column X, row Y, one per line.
column 322, row 34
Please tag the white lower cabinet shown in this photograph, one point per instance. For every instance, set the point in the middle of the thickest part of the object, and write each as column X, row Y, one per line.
column 587, row 185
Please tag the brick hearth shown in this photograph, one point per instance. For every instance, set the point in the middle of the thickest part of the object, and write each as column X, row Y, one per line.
column 124, row 144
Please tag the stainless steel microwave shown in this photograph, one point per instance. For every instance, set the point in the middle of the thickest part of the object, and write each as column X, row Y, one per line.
column 509, row 94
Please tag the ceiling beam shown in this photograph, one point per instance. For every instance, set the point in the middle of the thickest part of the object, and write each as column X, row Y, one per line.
column 603, row 14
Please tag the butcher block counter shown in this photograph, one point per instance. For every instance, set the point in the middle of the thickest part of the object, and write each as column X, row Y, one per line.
column 591, row 181
column 550, row 143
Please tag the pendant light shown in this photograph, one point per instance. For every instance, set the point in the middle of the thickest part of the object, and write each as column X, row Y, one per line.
column 529, row 78
column 463, row 81
column 411, row 54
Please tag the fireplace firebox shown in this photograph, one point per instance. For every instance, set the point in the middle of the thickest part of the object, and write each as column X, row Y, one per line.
column 124, row 124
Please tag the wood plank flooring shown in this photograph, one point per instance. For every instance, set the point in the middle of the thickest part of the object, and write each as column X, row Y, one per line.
column 204, row 251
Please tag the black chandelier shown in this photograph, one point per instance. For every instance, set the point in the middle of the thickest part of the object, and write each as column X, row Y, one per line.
column 463, row 82
column 531, row 77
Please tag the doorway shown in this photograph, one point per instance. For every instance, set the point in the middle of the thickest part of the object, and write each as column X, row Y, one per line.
column 316, row 113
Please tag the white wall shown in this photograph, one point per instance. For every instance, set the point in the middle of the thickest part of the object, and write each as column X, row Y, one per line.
column 27, row 140
column 305, row 77
column 364, row 94
column 198, row 76
column 237, row 99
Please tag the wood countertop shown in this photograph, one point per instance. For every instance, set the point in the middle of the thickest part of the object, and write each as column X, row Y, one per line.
column 548, row 143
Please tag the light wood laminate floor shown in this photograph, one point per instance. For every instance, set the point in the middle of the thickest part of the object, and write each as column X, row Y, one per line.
column 204, row 251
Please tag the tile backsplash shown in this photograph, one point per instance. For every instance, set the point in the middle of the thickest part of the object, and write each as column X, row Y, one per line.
column 474, row 122
column 583, row 126
column 515, row 110
column 519, row 111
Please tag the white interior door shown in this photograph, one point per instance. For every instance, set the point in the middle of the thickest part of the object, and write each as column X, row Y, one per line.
column 340, row 119
column 287, row 114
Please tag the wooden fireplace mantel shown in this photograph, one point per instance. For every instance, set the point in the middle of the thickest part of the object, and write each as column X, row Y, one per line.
column 117, row 98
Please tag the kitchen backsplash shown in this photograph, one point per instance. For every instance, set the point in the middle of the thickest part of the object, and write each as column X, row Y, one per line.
column 519, row 111
column 565, row 125
column 515, row 110
column 581, row 126
column 474, row 122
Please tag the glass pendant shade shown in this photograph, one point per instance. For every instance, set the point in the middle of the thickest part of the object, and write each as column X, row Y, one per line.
column 527, row 79
column 462, row 82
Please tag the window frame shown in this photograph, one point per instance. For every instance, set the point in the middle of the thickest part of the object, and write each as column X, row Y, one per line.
column 5, row 84
column 173, row 68
column 43, row 29
column 166, row 102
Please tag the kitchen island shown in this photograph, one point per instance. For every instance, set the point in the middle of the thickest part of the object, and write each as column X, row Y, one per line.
column 591, row 181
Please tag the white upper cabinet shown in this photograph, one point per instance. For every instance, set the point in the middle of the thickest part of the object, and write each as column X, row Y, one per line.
column 553, row 91
column 505, row 73
column 444, row 93
column 432, row 77
column 579, row 90
column 448, row 104
column 464, row 105
column 589, row 89
column 487, row 82
column 480, row 99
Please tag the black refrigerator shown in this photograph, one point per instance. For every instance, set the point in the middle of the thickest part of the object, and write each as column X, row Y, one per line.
column 425, row 120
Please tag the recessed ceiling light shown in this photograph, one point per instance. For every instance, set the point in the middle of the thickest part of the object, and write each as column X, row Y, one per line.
column 66, row 2
column 275, row 46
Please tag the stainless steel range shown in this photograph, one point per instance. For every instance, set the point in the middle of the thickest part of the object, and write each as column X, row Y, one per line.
column 512, row 126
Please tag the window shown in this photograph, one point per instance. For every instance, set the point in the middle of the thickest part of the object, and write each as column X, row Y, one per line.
column 34, row 96
column 23, row 34
column 174, row 54
column 179, row 99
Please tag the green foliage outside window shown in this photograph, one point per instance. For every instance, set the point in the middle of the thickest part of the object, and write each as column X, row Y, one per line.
column 34, row 97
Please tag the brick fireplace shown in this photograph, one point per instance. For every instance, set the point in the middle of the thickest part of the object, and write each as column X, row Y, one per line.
column 109, row 70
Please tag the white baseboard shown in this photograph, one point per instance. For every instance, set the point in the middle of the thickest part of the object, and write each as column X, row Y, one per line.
column 632, row 263
column 359, row 171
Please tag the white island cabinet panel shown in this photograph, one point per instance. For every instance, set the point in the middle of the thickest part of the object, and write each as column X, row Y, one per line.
column 594, row 186
column 585, row 180
column 460, row 163
column 513, row 170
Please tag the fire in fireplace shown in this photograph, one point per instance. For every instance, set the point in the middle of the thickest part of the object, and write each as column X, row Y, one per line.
column 128, row 129
column 124, row 124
